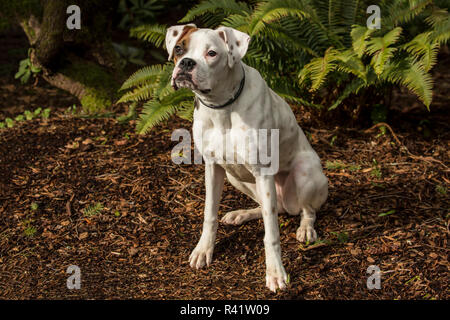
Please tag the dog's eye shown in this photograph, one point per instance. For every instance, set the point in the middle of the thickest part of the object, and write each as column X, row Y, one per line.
column 178, row 50
column 212, row 53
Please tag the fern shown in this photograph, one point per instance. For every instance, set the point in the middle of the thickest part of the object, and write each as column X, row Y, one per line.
column 403, row 11
column 154, row 34
column 156, row 111
column 318, row 69
column 140, row 93
column 323, row 43
column 93, row 210
column 186, row 111
column 145, row 75
column 380, row 48
column 359, row 36
column 211, row 7
column 423, row 49
column 352, row 88
column 271, row 11
column 441, row 27
column 412, row 74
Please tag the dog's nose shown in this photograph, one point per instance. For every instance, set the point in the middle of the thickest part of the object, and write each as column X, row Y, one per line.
column 187, row 64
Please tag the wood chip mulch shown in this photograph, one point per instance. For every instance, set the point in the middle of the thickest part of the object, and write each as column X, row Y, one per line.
column 385, row 208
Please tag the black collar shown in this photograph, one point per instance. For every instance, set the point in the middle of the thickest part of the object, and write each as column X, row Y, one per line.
column 238, row 93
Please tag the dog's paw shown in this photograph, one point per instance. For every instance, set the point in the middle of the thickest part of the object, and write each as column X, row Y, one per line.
column 201, row 256
column 306, row 233
column 235, row 217
column 276, row 279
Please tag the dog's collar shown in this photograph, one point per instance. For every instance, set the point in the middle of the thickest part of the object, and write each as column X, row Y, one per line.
column 236, row 96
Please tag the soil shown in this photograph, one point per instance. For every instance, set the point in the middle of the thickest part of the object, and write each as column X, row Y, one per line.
column 388, row 206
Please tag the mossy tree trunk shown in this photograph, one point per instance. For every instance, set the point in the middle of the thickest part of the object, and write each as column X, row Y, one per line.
column 83, row 61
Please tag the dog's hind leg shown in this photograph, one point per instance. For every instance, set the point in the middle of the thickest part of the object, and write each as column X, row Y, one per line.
column 306, row 230
column 240, row 216
column 305, row 189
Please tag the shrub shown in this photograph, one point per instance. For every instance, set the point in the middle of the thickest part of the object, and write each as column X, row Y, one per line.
column 317, row 53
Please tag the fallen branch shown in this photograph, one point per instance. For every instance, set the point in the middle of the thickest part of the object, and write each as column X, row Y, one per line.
column 411, row 155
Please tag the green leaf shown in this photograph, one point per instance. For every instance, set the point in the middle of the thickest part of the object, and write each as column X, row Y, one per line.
column 46, row 113
column 28, row 115
column 318, row 69
column 268, row 12
column 411, row 74
column 146, row 75
column 156, row 111
column 423, row 49
column 37, row 111
column 9, row 122
column 359, row 36
column 154, row 34
column 214, row 7
column 381, row 50
column 93, row 210
column 352, row 88
column 387, row 213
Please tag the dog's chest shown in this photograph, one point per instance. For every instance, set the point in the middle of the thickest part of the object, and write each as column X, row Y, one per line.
column 222, row 137
column 218, row 133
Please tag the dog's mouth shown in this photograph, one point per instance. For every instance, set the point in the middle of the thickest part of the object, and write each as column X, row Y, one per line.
column 184, row 80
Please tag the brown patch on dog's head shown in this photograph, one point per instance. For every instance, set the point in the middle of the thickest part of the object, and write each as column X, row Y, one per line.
column 222, row 35
column 183, row 42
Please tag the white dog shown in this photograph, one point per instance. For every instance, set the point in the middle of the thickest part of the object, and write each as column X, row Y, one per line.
column 232, row 95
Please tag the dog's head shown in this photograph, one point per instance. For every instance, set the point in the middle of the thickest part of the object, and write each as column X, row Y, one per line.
column 203, row 57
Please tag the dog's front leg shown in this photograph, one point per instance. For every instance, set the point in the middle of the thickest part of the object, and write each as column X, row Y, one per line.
column 276, row 276
column 214, row 178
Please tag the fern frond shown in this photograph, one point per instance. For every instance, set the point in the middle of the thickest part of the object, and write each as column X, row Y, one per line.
column 93, row 210
column 436, row 16
column 271, row 11
column 425, row 50
column 441, row 31
column 295, row 99
column 359, row 36
column 412, row 75
column 380, row 49
column 318, row 69
column 186, row 111
column 142, row 92
column 155, row 34
column 238, row 21
column 142, row 76
column 403, row 11
column 349, row 62
column 214, row 7
column 156, row 111
column 352, row 88
column 164, row 86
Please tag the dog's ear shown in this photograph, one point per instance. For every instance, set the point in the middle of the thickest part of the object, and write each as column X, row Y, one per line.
column 173, row 34
column 236, row 42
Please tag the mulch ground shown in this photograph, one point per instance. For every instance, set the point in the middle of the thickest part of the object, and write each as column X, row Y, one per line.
column 388, row 206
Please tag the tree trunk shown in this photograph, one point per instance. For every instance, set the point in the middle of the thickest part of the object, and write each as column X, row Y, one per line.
column 82, row 62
